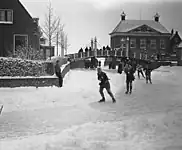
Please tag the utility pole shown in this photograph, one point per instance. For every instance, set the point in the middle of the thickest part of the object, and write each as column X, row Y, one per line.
column 57, row 42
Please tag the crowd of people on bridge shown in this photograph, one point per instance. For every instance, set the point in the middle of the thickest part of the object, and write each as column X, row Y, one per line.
column 90, row 49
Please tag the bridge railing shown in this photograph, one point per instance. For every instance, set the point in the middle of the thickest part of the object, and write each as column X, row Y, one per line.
column 102, row 53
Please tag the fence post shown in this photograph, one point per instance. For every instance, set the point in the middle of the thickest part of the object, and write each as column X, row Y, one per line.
column 81, row 55
column 74, row 56
column 134, row 54
column 107, row 53
column 102, row 52
column 140, row 56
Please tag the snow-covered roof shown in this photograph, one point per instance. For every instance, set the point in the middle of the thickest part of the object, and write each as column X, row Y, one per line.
column 128, row 25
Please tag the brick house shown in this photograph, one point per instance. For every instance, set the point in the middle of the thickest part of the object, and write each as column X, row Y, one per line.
column 140, row 38
column 17, row 28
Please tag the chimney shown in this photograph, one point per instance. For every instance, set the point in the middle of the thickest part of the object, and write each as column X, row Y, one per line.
column 172, row 31
column 36, row 20
column 123, row 16
column 156, row 17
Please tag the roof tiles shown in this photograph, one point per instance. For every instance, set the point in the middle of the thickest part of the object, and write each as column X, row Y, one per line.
column 127, row 25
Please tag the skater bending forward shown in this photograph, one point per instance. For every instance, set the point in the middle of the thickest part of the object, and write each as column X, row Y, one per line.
column 104, row 83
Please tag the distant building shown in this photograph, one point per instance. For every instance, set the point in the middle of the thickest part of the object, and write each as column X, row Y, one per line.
column 140, row 37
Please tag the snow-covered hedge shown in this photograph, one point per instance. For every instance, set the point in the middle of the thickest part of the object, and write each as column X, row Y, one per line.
column 19, row 67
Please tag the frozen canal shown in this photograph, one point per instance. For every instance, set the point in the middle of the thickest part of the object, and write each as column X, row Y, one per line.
column 70, row 118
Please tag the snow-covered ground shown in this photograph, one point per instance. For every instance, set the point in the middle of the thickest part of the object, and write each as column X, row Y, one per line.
column 70, row 118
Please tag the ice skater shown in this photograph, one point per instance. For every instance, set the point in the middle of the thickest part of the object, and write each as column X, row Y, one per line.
column 58, row 73
column 139, row 70
column 129, row 71
column 120, row 67
column 148, row 72
column 104, row 84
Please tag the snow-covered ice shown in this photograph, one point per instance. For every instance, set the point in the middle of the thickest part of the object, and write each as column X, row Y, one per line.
column 65, row 118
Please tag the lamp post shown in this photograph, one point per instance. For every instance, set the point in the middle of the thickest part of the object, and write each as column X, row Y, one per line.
column 122, row 41
column 127, row 47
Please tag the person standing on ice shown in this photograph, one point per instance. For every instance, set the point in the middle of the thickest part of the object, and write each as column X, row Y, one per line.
column 104, row 84
column 148, row 72
column 120, row 67
column 58, row 73
column 128, row 69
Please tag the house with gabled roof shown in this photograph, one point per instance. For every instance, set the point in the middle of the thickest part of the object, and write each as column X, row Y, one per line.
column 140, row 38
column 18, row 28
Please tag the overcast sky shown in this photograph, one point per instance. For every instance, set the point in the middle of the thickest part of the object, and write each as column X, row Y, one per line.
column 85, row 19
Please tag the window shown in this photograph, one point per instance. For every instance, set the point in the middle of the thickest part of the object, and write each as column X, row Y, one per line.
column 153, row 44
column 143, row 43
column 9, row 16
column 6, row 16
column 48, row 53
column 2, row 15
column 162, row 44
column 20, row 40
column 123, row 43
column 133, row 43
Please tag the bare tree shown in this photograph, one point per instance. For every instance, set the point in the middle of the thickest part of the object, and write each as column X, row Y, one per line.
column 52, row 25
column 66, row 45
column 62, row 41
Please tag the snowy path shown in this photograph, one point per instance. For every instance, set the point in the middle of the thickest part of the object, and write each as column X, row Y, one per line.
column 70, row 118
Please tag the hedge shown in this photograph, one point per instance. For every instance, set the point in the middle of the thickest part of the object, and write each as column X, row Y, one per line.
column 19, row 67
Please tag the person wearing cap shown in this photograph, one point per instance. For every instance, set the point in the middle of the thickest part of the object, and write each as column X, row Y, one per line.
column 58, row 73
column 104, row 84
column 148, row 72
column 129, row 71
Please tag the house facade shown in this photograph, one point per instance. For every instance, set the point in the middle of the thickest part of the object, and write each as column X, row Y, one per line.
column 17, row 28
column 140, row 38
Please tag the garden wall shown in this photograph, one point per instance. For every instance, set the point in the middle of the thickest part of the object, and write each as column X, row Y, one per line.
column 19, row 67
column 77, row 64
column 17, row 73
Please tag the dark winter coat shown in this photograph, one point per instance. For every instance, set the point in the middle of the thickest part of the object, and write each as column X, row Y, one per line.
column 129, row 73
column 120, row 68
column 103, row 78
column 57, row 69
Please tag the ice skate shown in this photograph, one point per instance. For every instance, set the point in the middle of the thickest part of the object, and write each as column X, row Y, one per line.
column 126, row 92
column 114, row 100
column 102, row 100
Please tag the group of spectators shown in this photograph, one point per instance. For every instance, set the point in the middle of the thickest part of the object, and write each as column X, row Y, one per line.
column 130, row 68
column 93, row 63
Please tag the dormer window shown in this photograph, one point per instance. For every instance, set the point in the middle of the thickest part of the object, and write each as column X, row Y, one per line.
column 6, row 16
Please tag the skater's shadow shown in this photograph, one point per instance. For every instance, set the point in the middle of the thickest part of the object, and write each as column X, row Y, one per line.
column 105, row 106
